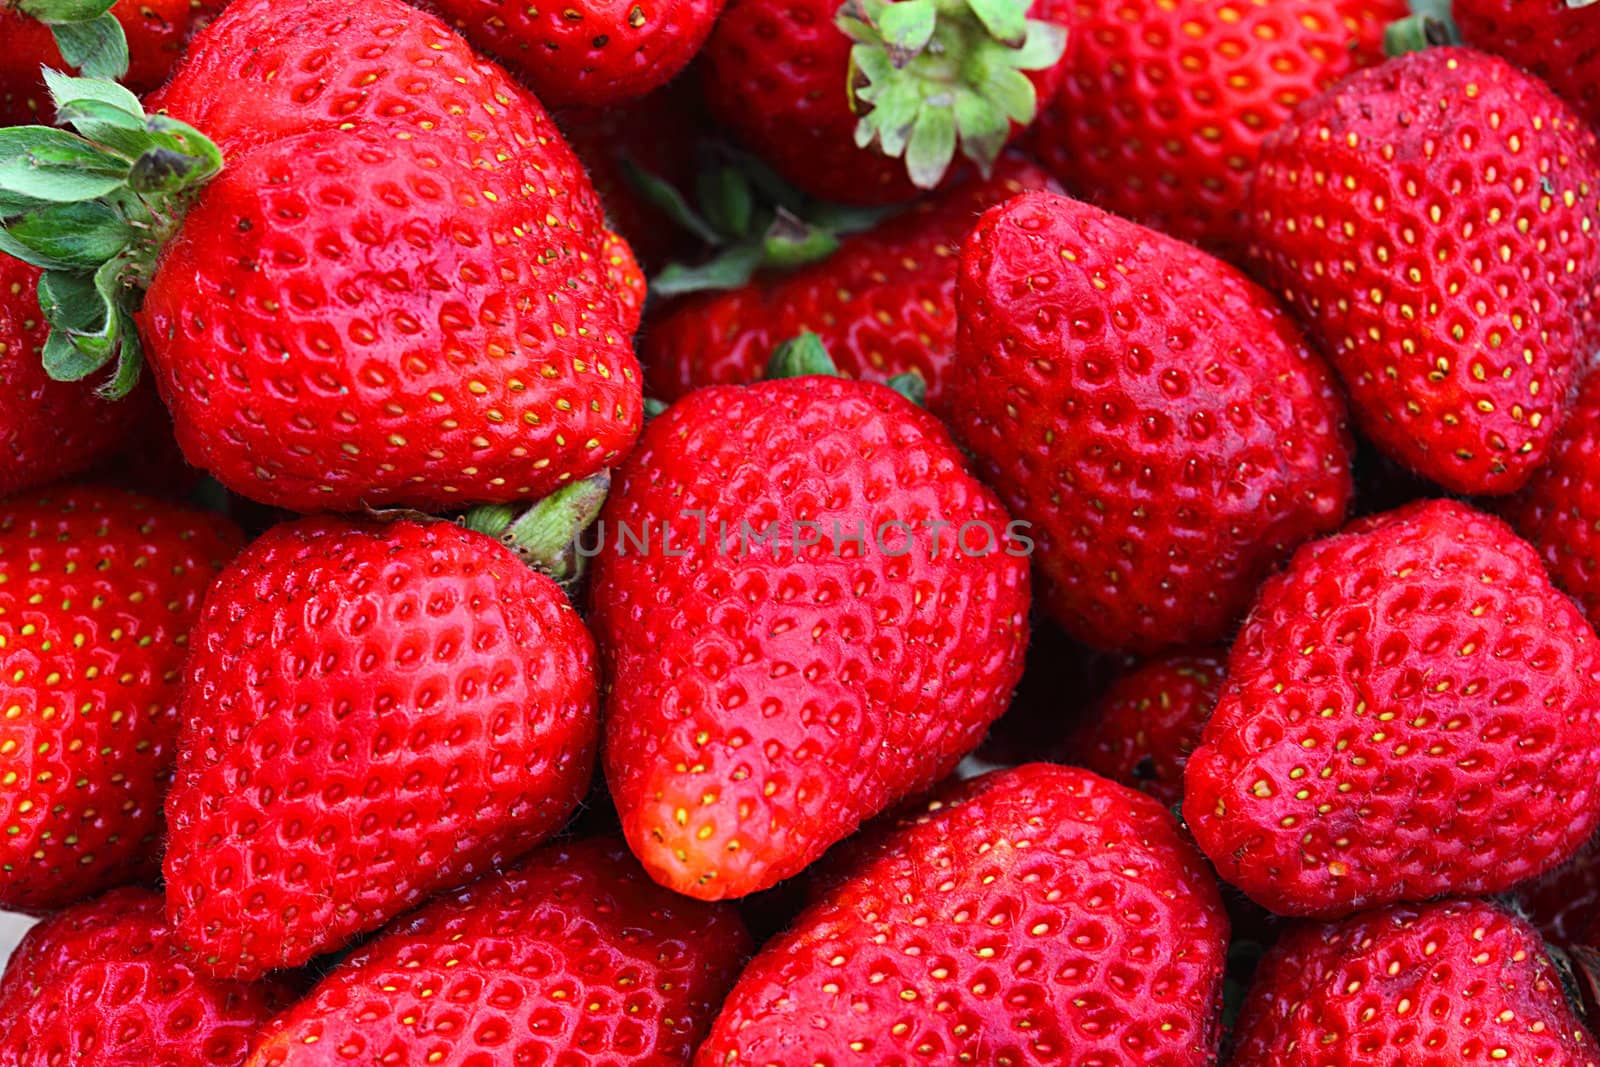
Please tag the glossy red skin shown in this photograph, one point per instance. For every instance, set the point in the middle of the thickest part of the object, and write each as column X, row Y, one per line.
column 1419, row 677
column 991, row 926
column 775, row 74
column 371, row 713
column 1382, row 287
column 461, row 334
column 1164, row 105
column 156, row 30
column 98, row 591
column 883, row 304
column 573, row 957
column 1431, row 985
column 102, row 983
column 1140, row 733
column 1558, row 42
column 593, row 54
column 1156, row 417
column 761, row 703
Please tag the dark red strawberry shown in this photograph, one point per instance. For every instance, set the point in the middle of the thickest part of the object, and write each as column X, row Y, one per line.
column 798, row 642
column 1040, row 915
column 1454, row 982
column 1154, row 415
column 883, row 304
column 1142, row 731
column 1412, row 710
column 98, row 591
column 102, row 983
column 1564, row 905
column 1559, row 40
column 371, row 712
column 1165, row 104
column 573, row 957
column 1434, row 222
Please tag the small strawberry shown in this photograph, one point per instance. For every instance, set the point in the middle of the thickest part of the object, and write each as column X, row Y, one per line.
column 98, row 591
column 371, row 712
column 825, row 614
column 1040, row 915
column 1152, row 412
column 1140, row 733
column 1433, row 220
column 102, row 984
column 1165, row 104
column 573, row 957
column 1559, row 40
column 1411, row 710
column 1456, row 982
column 883, row 304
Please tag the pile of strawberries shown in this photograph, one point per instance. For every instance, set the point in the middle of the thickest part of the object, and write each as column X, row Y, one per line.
column 895, row 532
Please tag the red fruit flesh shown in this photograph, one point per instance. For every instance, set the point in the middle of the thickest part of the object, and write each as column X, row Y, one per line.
column 371, row 713
column 1558, row 40
column 572, row 958
column 1434, row 220
column 1040, row 915
column 98, row 591
column 762, row 701
column 1411, row 710
column 1152, row 413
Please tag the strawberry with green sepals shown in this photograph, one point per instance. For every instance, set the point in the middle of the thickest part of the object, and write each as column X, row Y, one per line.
column 1031, row 916
column 1164, row 105
column 1433, row 220
column 372, row 711
column 1412, row 710
column 573, row 957
column 98, row 591
column 868, row 102
column 1156, row 416
column 1559, row 40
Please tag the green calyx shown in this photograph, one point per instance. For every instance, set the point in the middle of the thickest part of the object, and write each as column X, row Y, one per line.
column 546, row 535
column 1430, row 25
column 928, row 77
column 92, row 209
column 806, row 356
column 87, row 34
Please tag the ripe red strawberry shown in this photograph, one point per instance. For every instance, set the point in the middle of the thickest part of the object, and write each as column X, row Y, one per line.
column 1454, row 982
column 1153, row 413
column 1140, row 733
column 573, row 958
column 98, row 591
column 883, row 304
column 371, row 712
column 1031, row 916
column 1412, row 710
column 1559, row 40
column 1164, row 106
column 101, row 983
column 799, row 644
column 1434, row 222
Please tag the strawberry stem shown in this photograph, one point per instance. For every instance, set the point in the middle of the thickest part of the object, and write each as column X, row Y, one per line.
column 546, row 534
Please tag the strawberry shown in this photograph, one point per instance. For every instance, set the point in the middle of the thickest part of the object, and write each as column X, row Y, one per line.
column 418, row 301
column 1454, row 982
column 883, row 304
column 1151, row 411
column 573, row 958
column 101, row 983
column 1164, row 106
column 98, row 591
column 371, row 712
column 1433, row 221
column 1559, row 40
column 1411, row 710
column 1140, row 733
column 797, row 642
column 811, row 87
column 1564, row 904
column 1032, row 916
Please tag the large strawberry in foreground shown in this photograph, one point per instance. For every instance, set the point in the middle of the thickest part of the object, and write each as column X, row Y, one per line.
column 1155, row 415
column 807, row 609
column 1412, row 710
column 1434, row 221
column 371, row 712
column 1040, row 915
